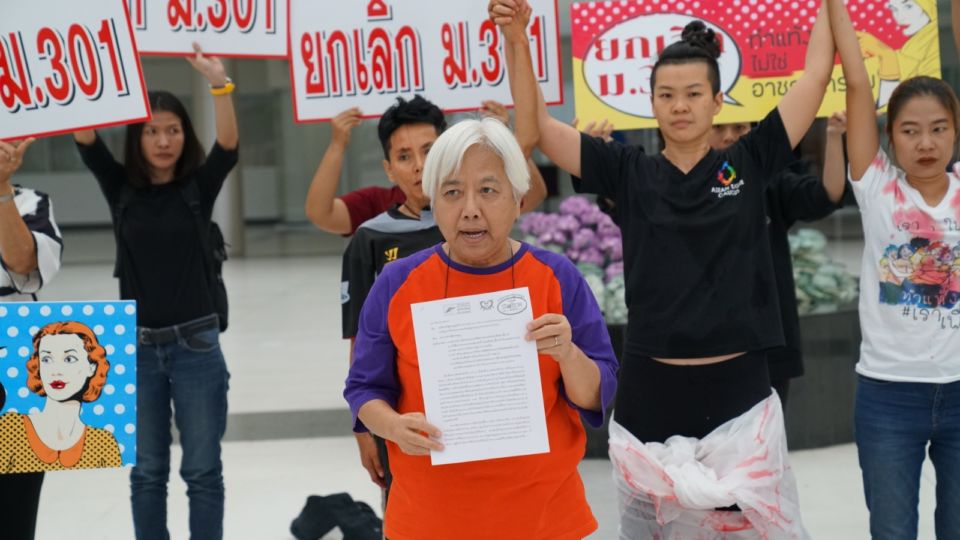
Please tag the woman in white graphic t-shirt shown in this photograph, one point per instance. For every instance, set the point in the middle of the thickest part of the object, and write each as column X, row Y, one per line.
column 908, row 389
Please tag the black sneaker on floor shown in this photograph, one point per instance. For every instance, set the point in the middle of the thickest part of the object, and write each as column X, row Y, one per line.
column 319, row 515
column 360, row 523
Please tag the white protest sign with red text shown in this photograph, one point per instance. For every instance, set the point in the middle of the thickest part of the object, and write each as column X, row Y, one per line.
column 366, row 53
column 68, row 65
column 236, row 28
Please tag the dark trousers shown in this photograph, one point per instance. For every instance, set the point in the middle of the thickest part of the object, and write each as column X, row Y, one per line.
column 19, row 498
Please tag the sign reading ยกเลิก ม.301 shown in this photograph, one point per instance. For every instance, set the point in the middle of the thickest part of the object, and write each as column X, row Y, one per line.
column 63, row 68
column 232, row 28
column 365, row 53
column 616, row 43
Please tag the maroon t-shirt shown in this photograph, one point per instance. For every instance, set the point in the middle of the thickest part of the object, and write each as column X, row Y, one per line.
column 369, row 202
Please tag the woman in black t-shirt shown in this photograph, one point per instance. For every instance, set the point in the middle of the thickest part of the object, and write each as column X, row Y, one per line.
column 161, row 199
column 700, row 291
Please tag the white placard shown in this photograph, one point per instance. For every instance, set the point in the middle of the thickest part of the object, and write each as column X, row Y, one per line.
column 67, row 65
column 235, row 28
column 480, row 377
column 365, row 53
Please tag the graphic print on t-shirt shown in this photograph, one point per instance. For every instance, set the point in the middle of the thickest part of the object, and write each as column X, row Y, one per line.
column 921, row 273
column 727, row 177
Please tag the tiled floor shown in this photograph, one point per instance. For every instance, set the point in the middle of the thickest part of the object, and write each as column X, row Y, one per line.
column 289, row 437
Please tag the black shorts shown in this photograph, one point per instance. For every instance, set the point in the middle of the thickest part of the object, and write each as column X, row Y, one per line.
column 656, row 400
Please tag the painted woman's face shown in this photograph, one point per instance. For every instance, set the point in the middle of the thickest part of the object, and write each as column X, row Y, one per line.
column 909, row 15
column 64, row 367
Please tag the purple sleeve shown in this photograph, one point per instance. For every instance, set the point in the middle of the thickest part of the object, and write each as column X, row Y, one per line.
column 589, row 332
column 373, row 374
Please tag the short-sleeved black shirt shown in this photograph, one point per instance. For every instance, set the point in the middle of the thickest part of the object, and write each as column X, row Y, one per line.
column 699, row 278
column 162, row 266
column 378, row 242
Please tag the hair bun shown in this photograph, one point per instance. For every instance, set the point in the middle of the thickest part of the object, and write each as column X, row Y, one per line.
column 698, row 35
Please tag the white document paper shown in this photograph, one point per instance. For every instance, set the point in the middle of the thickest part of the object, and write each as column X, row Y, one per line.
column 480, row 377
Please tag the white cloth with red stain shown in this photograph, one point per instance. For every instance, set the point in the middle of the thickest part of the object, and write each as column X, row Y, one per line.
column 672, row 490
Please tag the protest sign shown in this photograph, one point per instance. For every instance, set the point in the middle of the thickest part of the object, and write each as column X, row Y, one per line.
column 233, row 28
column 360, row 53
column 616, row 43
column 66, row 65
column 68, row 369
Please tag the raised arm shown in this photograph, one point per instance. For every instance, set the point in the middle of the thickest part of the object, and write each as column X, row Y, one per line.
column 834, row 171
column 799, row 107
column 538, row 188
column 559, row 141
column 17, row 249
column 955, row 16
column 327, row 211
column 226, row 117
column 537, row 191
column 85, row 137
column 519, row 64
column 863, row 141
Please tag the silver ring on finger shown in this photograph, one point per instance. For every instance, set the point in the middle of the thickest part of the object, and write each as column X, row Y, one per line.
column 556, row 341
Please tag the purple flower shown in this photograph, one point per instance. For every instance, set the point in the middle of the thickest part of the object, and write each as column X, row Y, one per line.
column 591, row 216
column 613, row 270
column 608, row 228
column 612, row 246
column 583, row 238
column 567, row 224
column 574, row 205
column 592, row 255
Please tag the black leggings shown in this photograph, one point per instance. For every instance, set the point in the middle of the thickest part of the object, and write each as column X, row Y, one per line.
column 657, row 400
column 19, row 498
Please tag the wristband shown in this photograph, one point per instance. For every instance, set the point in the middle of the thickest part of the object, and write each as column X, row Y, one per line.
column 227, row 88
column 9, row 196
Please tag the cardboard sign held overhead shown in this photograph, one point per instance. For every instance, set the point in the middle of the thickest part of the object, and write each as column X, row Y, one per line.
column 65, row 66
column 366, row 53
column 233, row 28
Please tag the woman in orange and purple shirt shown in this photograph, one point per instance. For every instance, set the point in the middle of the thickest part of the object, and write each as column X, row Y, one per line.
column 475, row 175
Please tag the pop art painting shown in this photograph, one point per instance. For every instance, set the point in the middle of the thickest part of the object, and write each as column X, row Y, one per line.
column 67, row 385
column 615, row 44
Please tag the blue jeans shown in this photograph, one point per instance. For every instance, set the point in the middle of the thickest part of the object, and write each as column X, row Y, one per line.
column 896, row 424
column 189, row 371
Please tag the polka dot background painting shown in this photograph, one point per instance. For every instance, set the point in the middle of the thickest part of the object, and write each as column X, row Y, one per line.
column 18, row 325
column 757, row 26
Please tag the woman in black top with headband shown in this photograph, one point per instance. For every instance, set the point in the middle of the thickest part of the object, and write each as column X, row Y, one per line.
column 700, row 291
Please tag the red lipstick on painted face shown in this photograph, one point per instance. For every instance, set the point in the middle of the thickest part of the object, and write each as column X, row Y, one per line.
column 58, row 385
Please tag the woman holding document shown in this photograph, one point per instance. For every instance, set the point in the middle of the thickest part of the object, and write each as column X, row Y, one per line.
column 476, row 176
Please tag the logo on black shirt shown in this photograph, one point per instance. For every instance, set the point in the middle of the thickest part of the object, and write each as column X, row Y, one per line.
column 729, row 185
column 392, row 254
column 727, row 174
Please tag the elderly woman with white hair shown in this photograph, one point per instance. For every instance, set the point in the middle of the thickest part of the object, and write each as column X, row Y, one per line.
column 475, row 176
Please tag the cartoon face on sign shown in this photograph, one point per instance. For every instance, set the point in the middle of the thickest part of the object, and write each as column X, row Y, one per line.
column 909, row 15
column 619, row 62
column 59, row 379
